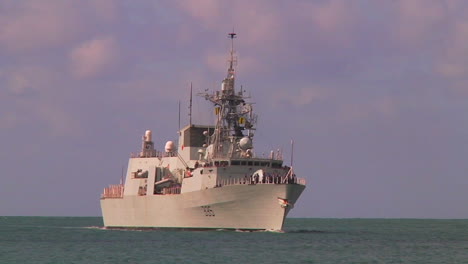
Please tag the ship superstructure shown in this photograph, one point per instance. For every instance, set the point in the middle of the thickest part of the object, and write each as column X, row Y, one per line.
column 211, row 179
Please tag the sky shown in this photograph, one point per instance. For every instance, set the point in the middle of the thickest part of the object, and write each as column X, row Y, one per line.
column 374, row 94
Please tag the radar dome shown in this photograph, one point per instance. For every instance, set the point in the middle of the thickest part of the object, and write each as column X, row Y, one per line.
column 169, row 146
column 148, row 135
column 245, row 143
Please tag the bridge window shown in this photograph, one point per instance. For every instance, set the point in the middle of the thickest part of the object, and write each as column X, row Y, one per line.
column 275, row 165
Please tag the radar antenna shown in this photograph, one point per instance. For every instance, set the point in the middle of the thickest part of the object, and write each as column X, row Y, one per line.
column 190, row 105
column 232, row 59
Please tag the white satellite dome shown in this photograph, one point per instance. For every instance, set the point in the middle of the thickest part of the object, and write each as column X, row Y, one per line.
column 169, row 147
column 245, row 143
column 148, row 135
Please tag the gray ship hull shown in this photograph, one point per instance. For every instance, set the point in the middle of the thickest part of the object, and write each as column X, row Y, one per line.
column 243, row 206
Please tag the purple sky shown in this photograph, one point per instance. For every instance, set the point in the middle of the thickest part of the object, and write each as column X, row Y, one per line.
column 374, row 93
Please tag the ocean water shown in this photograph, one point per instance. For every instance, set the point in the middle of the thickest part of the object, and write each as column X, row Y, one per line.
column 82, row 240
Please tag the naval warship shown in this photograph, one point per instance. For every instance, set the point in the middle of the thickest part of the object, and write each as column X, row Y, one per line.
column 210, row 179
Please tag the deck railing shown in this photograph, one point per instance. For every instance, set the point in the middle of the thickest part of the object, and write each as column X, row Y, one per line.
column 266, row 180
column 113, row 191
column 171, row 190
column 155, row 154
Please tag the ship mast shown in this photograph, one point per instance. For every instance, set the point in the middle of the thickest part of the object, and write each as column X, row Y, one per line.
column 234, row 114
column 232, row 59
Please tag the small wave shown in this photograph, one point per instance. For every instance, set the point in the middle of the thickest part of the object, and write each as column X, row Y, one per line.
column 113, row 228
column 259, row 231
column 96, row 227
column 303, row 231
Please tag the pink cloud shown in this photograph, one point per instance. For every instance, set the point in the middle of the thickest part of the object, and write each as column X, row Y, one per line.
column 93, row 57
column 451, row 69
column 58, row 121
column 24, row 79
column 9, row 120
column 217, row 62
column 300, row 96
column 105, row 10
column 453, row 63
column 259, row 21
column 29, row 25
column 206, row 11
column 386, row 106
column 416, row 20
column 246, row 65
column 330, row 16
column 35, row 25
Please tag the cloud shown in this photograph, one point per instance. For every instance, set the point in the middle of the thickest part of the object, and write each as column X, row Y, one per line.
column 248, row 65
column 105, row 10
column 208, row 12
column 217, row 62
column 416, row 20
column 451, row 69
column 455, row 60
column 259, row 21
column 300, row 97
column 41, row 115
column 28, row 79
column 330, row 16
column 35, row 25
column 34, row 97
column 94, row 57
column 8, row 120
column 59, row 122
column 18, row 84
column 452, row 62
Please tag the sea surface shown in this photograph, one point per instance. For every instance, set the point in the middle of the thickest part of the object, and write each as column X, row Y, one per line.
column 83, row 240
